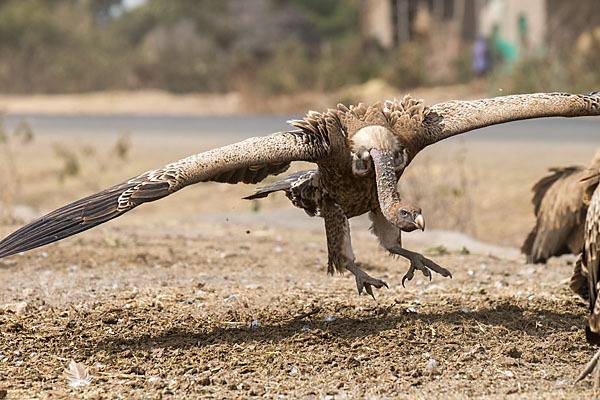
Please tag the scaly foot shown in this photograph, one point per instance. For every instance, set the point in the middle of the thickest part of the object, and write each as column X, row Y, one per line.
column 365, row 281
column 425, row 265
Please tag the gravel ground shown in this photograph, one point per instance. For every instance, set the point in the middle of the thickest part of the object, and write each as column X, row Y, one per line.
column 226, row 310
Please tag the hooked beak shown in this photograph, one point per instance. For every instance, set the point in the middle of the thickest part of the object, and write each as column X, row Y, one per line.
column 420, row 222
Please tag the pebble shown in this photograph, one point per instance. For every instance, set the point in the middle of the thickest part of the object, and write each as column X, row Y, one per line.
column 16, row 308
column 508, row 373
column 431, row 367
column 253, row 286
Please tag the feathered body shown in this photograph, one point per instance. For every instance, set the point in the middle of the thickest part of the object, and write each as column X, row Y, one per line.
column 560, row 204
column 587, row 272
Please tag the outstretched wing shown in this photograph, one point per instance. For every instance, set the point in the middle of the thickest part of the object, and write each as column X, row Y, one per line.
column 560, row 211
column 249, row 161
column 454, row 117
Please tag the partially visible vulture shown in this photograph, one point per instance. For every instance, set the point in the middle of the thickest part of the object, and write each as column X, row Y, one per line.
column 360, row 152
column 560, row 204
column 587, row 271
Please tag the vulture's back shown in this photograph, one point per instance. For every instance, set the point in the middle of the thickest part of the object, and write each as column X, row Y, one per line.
column 560, row 213
column 560, row 204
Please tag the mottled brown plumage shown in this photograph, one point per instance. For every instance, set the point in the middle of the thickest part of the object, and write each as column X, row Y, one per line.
column 560, row 204
column 587, row 270
column 360, row 152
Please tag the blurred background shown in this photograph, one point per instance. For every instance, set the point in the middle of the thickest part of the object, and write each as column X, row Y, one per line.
column 273, row 47
column 95, row 91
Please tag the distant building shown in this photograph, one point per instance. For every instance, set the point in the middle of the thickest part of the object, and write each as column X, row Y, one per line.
column 518, row 23
column 393, row 22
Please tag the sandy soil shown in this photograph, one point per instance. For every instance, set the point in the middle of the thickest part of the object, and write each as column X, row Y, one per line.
column 197, row 296
column 221, row 310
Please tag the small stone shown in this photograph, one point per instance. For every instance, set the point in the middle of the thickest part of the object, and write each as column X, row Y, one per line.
column 204, row 381
column 431, row 367
column 109, row 319
column 514, row 352
column 253, row 286
column 16, row 308
column 508, row 373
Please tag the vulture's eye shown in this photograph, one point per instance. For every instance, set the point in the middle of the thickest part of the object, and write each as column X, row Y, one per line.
column 404, row 213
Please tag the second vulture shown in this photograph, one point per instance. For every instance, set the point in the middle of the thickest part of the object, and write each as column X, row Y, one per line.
column 360, row 151
column 560, row 204
column 567, row 206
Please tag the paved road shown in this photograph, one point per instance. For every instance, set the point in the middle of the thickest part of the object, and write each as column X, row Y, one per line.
column 579, row 130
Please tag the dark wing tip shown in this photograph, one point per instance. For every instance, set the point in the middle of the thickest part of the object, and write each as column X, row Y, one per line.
column 82, row 215
column 66, row 221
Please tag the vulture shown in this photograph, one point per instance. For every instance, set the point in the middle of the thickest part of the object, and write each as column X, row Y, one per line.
column 587, row 271
column 560, row 204
column 360, row 153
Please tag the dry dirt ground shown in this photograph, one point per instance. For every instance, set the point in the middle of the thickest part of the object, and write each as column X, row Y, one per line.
column 196, row 296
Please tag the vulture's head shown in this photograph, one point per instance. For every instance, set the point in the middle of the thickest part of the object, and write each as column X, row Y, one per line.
column 408, row 218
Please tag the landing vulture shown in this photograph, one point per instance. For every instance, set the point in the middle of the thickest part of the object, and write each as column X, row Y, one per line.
column 360, row 152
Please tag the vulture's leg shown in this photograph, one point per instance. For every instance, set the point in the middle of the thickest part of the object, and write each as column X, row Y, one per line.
column 589, row 368
column 339, row 248
column 389, row 237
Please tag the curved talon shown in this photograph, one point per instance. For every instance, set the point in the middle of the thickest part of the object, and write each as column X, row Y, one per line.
column 409, row 275
column 426, row 272
column 378, row 285
column 366, row 282
column 424, row 265
column 369, row 290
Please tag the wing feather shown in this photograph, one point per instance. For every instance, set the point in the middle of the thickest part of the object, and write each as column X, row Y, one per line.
column 454, row 117
column 249, row 161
